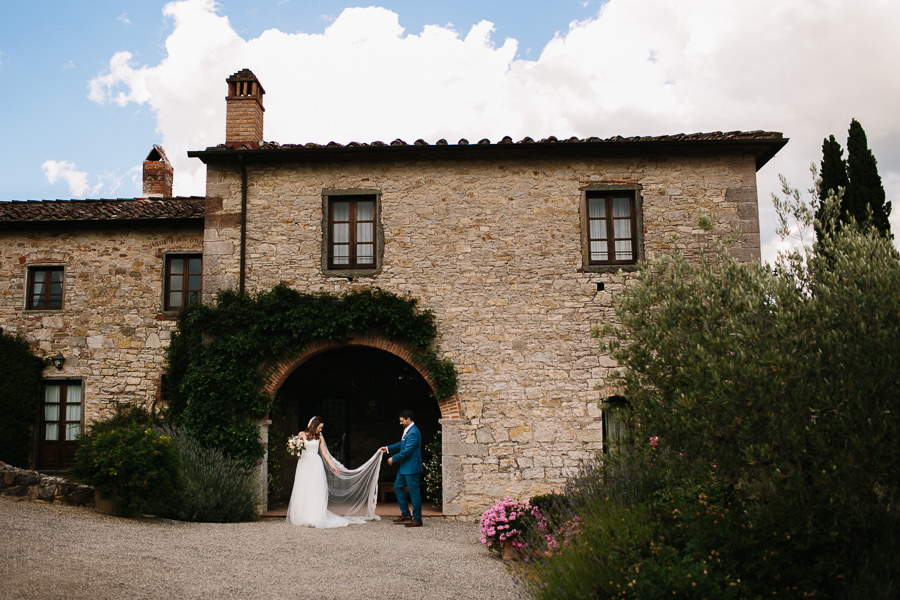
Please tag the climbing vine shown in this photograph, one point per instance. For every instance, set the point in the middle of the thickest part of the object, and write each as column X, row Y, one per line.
column 218, row 355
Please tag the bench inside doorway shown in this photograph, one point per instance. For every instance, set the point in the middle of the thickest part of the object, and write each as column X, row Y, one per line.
column 385, row 488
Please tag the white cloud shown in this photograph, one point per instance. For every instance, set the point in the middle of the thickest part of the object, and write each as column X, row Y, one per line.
column 63, row 170
column 640, row 67
column 78, row 181
column 123, row 18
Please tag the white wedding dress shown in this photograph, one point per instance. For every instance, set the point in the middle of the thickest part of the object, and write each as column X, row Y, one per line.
column 322, row 499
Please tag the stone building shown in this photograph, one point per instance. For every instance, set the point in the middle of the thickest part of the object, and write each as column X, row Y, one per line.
column 518, row 248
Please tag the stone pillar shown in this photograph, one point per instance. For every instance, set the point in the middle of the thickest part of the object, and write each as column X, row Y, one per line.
column 452, row 451
column 262, row 469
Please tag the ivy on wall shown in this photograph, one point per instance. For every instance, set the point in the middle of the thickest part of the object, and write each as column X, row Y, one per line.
column 218, row 356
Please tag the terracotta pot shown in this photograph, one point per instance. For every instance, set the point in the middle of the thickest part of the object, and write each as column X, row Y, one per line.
column 510, row 552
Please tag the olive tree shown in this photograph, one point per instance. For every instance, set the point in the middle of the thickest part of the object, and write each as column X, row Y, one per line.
column 784, row 380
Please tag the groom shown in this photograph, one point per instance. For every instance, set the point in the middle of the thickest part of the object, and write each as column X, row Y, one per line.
column 407, row 455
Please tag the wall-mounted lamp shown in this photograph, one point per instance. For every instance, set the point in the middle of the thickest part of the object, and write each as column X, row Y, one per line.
column 58, row 361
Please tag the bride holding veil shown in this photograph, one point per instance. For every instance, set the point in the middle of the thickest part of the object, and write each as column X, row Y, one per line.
column 327, row 494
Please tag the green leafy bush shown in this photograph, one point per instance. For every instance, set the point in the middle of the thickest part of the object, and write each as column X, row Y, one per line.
column 783, row 383
column 275, row 484
column 212, row 486
column 129, row 460
column 433, row 478
column 587, row 551
column 20, row 397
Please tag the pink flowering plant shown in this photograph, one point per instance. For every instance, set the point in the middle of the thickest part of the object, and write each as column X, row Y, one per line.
column 511, row 521
column 564, row 537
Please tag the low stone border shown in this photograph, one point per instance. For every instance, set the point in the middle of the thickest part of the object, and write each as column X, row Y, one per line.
column 37, row 486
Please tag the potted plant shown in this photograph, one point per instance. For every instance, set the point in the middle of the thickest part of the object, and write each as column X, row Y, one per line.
column 130, row 467
column 507, row 526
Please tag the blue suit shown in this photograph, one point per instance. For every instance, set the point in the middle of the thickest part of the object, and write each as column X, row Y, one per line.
column 407, row 456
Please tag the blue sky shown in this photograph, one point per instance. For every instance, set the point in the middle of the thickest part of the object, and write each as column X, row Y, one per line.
column 51, row 49
column 91, row 86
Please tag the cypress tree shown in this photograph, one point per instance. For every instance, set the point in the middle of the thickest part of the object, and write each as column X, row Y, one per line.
column 864, row 188
column 833, row 176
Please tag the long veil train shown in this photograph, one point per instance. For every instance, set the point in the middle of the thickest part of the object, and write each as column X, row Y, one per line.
column 353, row 493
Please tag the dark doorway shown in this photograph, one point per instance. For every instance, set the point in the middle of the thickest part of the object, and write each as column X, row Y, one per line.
column 358, row 392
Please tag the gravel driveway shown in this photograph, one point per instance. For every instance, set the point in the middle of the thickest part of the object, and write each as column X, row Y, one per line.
column 61, row 551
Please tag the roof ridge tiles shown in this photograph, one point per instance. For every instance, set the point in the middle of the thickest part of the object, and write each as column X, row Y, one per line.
column 757, row 134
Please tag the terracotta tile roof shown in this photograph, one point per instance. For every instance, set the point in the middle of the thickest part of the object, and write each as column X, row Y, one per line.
column 714, row 136
column 764, row 143
column 122, row 209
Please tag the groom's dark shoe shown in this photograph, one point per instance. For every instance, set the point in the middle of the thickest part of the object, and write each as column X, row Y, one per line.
column 414, row 524
column 402, row 519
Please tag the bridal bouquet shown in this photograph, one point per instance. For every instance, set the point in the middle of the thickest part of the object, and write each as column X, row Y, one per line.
column 296, row 445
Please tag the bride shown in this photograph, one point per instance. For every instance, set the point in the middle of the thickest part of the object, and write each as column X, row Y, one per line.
column 334, row 496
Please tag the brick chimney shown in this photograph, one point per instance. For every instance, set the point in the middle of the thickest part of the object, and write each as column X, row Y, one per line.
column 158, row 174
column 244, row 110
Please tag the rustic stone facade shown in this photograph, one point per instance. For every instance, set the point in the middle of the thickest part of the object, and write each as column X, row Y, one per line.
column 111, row 329
column 491, row 237
column 494, row 248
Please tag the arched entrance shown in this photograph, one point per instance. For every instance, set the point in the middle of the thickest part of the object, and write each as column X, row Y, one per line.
column 357, row 388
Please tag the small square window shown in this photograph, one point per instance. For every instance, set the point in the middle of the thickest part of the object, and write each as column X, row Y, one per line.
column 45, row 288
column 352, row 232
column 612, row 228
column 183, row 280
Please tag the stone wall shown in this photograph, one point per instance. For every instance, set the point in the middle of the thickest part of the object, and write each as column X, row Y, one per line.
column 493, row 248
column 112, row 330
column 38, row 486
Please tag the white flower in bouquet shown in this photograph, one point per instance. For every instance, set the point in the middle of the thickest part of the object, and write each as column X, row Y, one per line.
column 296, row 445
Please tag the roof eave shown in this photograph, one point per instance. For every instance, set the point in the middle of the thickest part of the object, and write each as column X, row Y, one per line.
column 763, row 150
column 6, row 224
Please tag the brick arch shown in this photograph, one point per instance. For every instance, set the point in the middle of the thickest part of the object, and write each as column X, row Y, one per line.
column 278, row 373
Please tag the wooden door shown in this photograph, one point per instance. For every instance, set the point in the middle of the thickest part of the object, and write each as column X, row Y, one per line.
column 61, row 417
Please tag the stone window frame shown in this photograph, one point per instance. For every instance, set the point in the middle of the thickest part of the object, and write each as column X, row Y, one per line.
column 351, row 272
column 166, row 257
column 29, row 286
column 632, row 189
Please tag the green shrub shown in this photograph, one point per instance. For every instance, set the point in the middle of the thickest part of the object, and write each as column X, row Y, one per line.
column 433, row 478
column 129, row 460
column 20, row 397
column 593, row 561
column 772, row 394
column 275, row 484
column 123, row 416
column 212, row 487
